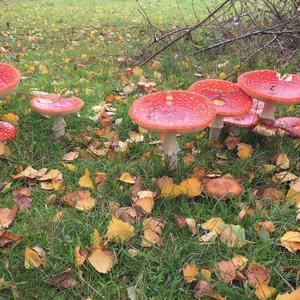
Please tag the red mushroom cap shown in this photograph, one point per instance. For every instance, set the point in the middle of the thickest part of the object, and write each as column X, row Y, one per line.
column 268, row 85
column 228, row 98
column 247, row 120
column 55, row 105
column 172, row 112
column 7, row 131
column 9, row 79
column 290, row 124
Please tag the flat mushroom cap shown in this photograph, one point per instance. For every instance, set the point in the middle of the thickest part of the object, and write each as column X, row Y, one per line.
column 7, row 131
column 270, row 86
column 55, row 105
column 223, row 188
column 172, row 112
column 290, row 124
column 9, row 78
column 228, row 98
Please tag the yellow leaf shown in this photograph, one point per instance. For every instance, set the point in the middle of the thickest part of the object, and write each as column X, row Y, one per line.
column 191, row 187
column 96, row 239
column 102, row 260
column 10, row 118
column 213, row 224
column 85, row 180
column 190, row 271
column 43, row 69
column 70, row 167
column 79, row 257
column 240, row 261
column 81, row 200
column 51, row 174
column 144, row 201
column 263, row 291
column 244, row 151
column 171, row 190
column 295, row 295
column 291, row 241
column 222, row 75
column 294, row 192
column 4, row 150
column 137, row 71
column 119, row 231
column 205, row 274
column 126, row 177
column 30, row 69
column 34, row 257
column 282, row 161
column 58, row 216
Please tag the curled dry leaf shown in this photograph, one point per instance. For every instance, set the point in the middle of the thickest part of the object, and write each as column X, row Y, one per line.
column 203, row 288
column 231, row 142
column 7, row 215
column 70, row 167
column 208, row 237
column 244, row 151
column 144, row 202
column 284, row 176
column 126, row 214
column 85, row 180
column 199, row 172
column 269, row 193
column 152, row 232
column 291, row 241
column 8, row 238
column 282, row 161
column 127, row 178
column 239, row 261
column 30, row 173
column 190, row 272
column 295, row 295
column 4, row 150
column 79, row 256
column 294, row 192
column 23, row 197
column 233, row 235
column 191, row 187
column 81, row 200
column 264, row 292
column 180, row 221
column 227, row 270
column 70, row 156
column 64, row 280
column 213, row 224
column 192, row 225
column 102, row 260
column 119, row 231
column 35, row 257
column 265, row 225
column 171, row 191
column 100, row 178
column 257, row 274
column 51, row 174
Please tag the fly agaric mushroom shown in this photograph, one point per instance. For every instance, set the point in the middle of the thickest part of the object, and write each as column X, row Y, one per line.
column 56, row 106
column 9, row 79
column 248, row 120
column 272, row 88
column 170, row 113
column 290, row 124
column 223, row 188
column 227, row 97
column 7, row 131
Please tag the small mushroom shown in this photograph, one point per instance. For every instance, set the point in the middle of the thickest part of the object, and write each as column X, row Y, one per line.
column 290, row 124
column 7, row 131
column 170, row 113
column 272, row 88
column 9, row 79
column 223, row 188
column 55, row 106
column 227, row 97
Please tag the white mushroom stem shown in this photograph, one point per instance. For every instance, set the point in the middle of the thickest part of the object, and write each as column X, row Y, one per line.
column 268, row 111
column 215, row 128
column 170, row 151
column 58, row 127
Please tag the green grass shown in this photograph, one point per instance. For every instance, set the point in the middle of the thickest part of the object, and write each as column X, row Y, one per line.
column 60, row 34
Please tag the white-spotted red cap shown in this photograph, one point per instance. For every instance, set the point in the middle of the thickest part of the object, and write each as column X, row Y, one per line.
column 7, row 131
column 290, row 124
column 271, row 86
column 9, row 78
column 172, row 111
column 228, row 98
column 55, row 105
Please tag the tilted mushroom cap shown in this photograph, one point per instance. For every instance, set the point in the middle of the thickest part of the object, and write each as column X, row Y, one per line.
column 223, row 188
column 9, row 78
column 55, row 105
column 7, row 131
column 290, row 124
column 172, row 112
column 228, row 98
column 270, row 86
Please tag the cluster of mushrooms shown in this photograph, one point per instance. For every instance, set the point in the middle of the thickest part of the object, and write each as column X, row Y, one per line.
column 206, row 103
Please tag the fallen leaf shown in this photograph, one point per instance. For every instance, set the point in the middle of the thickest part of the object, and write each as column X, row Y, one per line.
column 239, row 261
column 64, row 280
column 282, row 161
column 208, row 237
column 231, row 142
column 294, row 192
column 85, row 180
column 58, row 216
column 244, row 151
column 199, row 172
column 291, row 241
column 171, row 191
column 269, row 193
column 233, row 235
column 127, row 178
column 180, row 221
column 190, row 272
column 144, row 202
column 7, row 215
column 100, row 178
column 70, row 167
column 295, row 295
column 257, row 274
column 152, row 231
column 35, row 257
column 126, row 214
column 263, row 291
column 189, row 159
column 8, row 239
column 265, row 225
column 22, row 198
column 70, row 156
column 102, row 260
column 213, row 224
column 81, row 200
column 119, row 231
column 284, row 176
column 191, row 187
column 51, row 174
column 96, row 239
column 43, row 69
column 227, row 270
column 79, row 257
column 164, row 181
column 30, row 173
column 10, row 118
column 4, row 150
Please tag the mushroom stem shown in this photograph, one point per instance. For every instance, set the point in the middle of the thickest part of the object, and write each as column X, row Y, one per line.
column 170, row 150
column 268, row 111
column 215, row 128
column 58, row 127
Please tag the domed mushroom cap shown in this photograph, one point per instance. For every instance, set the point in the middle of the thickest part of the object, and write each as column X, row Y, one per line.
column 55, row 105
column 290, row 124
column 227, row 97
column 268, row 85
column 7, row 131
column 172, row 112
column 223, row 188
column 9, row 79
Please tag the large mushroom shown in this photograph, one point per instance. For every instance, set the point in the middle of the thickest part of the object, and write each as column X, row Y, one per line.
column 272, row 88
column 54, row 105
column 290, row 124
column 9, row 79
column 170, row 113
column 227, row 97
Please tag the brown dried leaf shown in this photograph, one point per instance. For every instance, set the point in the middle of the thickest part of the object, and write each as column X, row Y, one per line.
column 79, row 256
column 102, row 260
column 190, row 272
column 64, row 280
column 231, row 142
column 269, row 193
column 227, row 270
column 127, row 178
column 284, row 177
column 164, row 181
column 179, row 220
column 7, row 215
column 126, row 214
column 8, row 238
column 22, row 197
column 257, row 274
column 81, row 200
column 282, row 161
